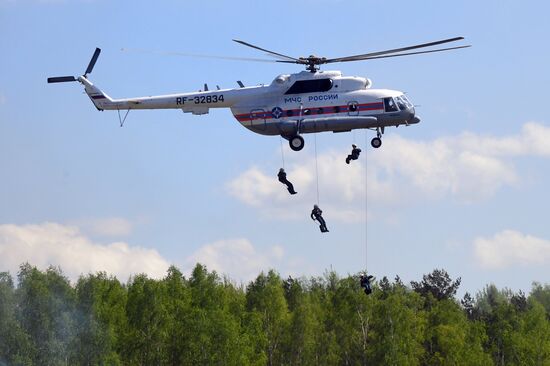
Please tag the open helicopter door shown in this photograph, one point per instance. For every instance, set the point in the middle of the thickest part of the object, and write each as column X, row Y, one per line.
column 257, row 119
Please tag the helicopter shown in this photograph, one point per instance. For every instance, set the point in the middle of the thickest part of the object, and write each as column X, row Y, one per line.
column 309, row 101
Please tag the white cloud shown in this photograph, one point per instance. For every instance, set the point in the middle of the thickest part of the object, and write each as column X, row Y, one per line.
column 440, row 168
column 110, row 226
column 240, row 260
column 64, row 246
column 254, row 187
column 509, row 248
column 466, row 168
column 338, row 182
column 533, row 140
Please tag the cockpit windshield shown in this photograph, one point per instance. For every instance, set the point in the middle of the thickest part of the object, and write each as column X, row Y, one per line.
column 397, row 103
column 401, row 103
column 402, row 100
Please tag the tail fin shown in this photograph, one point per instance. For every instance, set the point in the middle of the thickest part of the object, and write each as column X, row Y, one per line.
column 100, row 99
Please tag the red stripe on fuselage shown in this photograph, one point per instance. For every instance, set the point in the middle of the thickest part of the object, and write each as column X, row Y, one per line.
column 312, row 111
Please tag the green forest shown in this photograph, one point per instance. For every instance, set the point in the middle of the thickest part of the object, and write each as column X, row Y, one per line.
column 206, row 319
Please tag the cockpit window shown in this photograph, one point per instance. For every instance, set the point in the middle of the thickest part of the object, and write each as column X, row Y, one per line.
column 401, row 103
column 407, row 101
column 389, row 105
column 310, row 86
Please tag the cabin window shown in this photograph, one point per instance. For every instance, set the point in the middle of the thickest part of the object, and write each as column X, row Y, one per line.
column 352, row 107
column 320, row 111
column 289, row 113
column 310, row 86
column 337, row 109
column 389, row 105
column 307, row 112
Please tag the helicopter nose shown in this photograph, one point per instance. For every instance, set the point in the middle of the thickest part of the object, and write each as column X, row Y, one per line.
column 413, row 118
column 408, row 113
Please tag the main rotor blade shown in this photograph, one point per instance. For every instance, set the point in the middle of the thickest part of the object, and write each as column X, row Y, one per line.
column 398, row 54
column 171, row 53
column 61, row 79
column 92, row 61
column 268, row 51
column 281, row 58
column 379, row 53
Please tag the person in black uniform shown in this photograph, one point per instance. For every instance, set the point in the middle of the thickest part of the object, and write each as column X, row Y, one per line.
column 316, row 215
column 354, row 154
column 282, row 179
column 365, row 283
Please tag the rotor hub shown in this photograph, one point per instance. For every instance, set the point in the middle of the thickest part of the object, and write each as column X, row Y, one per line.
column 312, row 62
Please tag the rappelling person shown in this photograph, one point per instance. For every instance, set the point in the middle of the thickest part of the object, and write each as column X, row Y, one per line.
column 316, row 215
column 354, row 154
column 282, row 179
column 365, row 283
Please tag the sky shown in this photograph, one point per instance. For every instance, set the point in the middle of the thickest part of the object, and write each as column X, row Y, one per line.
column 465, row 190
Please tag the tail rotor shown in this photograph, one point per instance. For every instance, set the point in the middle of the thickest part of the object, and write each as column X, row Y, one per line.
column 92, row 62
column 61, row 79
column 64, row 79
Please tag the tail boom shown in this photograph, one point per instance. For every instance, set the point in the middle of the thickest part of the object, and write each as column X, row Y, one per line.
column 197, row 103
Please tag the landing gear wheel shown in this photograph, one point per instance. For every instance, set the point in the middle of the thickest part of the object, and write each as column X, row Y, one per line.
column 296, row 143
column 376, row 142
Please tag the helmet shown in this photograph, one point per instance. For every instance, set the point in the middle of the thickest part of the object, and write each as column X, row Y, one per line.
column 353, row 145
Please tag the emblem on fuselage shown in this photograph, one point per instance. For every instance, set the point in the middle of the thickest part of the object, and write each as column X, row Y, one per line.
column 276, row 112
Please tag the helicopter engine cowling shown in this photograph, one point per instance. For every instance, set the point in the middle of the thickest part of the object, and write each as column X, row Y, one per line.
column 368, row 83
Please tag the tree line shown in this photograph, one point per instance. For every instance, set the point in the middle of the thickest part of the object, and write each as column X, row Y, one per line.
column 208, row 320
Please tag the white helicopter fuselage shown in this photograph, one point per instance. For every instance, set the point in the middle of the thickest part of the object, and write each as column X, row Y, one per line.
column 305, row 102
column 321, row 101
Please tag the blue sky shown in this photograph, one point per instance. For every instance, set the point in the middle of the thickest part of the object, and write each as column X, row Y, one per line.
column 465, row 190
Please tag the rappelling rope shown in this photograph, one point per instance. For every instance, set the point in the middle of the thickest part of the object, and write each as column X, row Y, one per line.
column 282, row 154
column 366, row 205
column 316, row 167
